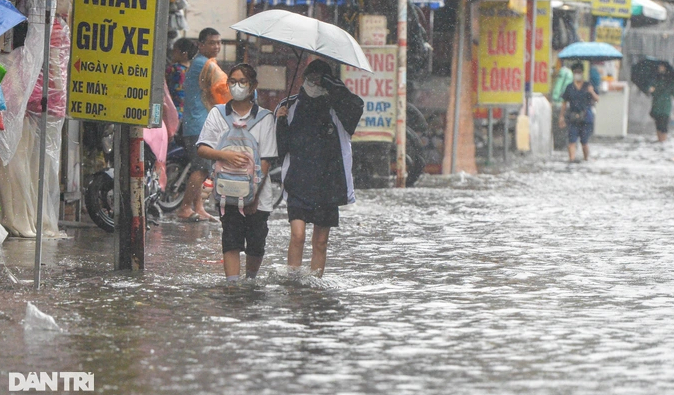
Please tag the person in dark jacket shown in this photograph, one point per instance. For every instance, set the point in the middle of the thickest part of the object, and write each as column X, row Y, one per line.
column 579, row 97
column 662, row 90
column 313, row 133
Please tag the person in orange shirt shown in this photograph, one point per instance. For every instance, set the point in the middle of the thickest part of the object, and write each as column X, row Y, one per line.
column 205, row 85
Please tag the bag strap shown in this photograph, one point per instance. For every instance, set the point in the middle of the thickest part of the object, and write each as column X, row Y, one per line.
column 259, row 115
column 223, row 112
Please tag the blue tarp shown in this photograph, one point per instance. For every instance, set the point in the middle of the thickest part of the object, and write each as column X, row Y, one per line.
column 9, row 16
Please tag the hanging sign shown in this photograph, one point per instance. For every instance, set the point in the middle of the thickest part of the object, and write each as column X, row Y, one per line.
column 542, row 51
column 609, row 30
column 379, row 91
column 117, row 60
column 500, row 55
column 614, row 8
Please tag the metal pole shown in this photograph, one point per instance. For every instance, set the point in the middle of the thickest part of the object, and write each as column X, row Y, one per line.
column 506, row 135
column 457, row 86
column 401, row 122
column 532, row 54
column 43, row 143
column 431, row 26
column 490, row 136
column 123, row 209
column 137, row 180
column 117, row 207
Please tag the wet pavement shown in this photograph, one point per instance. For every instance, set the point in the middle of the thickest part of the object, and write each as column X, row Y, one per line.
column 540, row 278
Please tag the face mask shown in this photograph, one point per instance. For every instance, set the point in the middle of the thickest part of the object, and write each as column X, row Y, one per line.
column 239, row 93
column 577, row 77
column 314, row 90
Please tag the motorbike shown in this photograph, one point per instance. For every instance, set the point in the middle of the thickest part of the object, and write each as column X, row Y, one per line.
column 99, row 193
column 177, row 174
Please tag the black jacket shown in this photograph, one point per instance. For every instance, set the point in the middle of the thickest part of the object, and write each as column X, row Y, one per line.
column 316, row 146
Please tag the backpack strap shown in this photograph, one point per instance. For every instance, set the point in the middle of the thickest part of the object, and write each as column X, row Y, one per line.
column 228, row 118
column 259, row 114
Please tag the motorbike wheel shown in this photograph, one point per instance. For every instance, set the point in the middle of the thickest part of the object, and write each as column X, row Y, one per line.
column 276, row 184
column 277, row 193
column 98, row 199
column 172, row 197
column 415, row 162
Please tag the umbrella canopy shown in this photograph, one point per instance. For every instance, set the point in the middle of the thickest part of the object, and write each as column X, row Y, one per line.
column 307, row 34
column 649, row 9
column 9, row 16
column 644, row 72
column 593, row 51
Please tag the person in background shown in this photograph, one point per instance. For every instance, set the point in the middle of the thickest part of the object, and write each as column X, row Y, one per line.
column 313, row 132
column 662, row 90
column 183, row 51
column 245, row 231
column 194, row 115
column 564, row 78
column 595, row 77
column 579, row 97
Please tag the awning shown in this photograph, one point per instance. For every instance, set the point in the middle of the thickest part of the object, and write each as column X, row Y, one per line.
column 291, row 3
column 432, row 4
column 649, row 9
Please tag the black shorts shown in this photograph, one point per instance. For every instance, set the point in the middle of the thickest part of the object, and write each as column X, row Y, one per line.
column 197, row 162
column 247, row 233
column 325, row 217
column 661, row 122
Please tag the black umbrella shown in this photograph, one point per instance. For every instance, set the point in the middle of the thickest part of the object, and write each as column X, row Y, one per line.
column 645, row 71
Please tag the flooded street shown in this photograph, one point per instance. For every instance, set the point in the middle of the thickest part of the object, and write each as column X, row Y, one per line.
column 543, row 278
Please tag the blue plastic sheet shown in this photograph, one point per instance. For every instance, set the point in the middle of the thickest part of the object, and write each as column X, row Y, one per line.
column 3, row 105
column 9, row 16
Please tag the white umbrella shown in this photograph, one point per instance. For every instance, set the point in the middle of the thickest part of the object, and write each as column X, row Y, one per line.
column 307, row 34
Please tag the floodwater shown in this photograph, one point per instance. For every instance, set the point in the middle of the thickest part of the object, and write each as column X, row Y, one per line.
column 545, row 278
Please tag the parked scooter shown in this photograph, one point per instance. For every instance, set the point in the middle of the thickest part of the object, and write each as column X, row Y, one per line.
column 99, row 194
column 177, row 174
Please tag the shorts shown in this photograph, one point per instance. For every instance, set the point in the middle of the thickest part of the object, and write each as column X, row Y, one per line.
column 197, row 162
column 325, row 217
column 661, row 122
column 247, row 233
column 583, row 130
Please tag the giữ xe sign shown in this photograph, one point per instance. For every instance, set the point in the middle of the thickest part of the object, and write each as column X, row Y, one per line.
column 117, row 58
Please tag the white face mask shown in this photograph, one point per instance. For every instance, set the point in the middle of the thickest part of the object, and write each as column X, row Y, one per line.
column 239, row 93
column 314, row 90
column 577, row 77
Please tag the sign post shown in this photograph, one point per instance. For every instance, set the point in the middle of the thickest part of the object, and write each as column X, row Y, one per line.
column 116, row 75
column 538, row 43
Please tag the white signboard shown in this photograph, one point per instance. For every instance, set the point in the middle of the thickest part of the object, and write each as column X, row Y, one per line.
column 378, row 90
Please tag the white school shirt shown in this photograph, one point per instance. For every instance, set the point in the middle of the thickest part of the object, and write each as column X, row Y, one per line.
column 264, row 133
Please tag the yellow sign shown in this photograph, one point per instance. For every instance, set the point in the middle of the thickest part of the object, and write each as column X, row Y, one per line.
column 614, row 8
column 111, row 67
column 500, row 55
column 519, row 6
column 542, row 52
column 379, row 91
column 609, row 30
